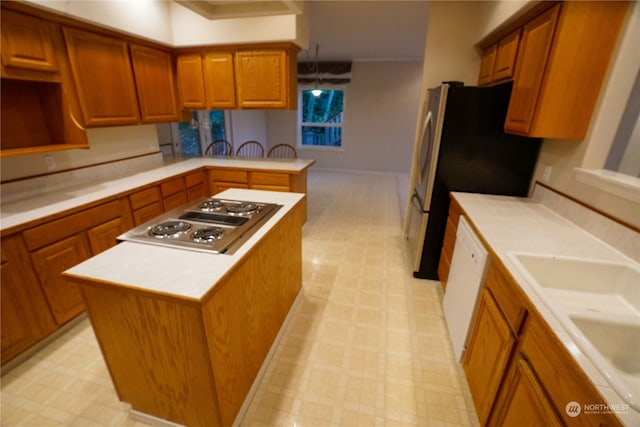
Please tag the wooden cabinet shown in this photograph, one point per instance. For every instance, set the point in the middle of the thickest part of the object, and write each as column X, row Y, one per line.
column 146, row 204
column 266, row 78
column 222, row 179
column 190, row 77
column 155, row 84
column 487, row 62
column 525, row 399
column 102, row 72
column 196, row 184
column 63, row 296
column 38, row 97
column 26, row 43
column 220, row 82
column 488, row 354
column 271, row 181
column 561, row 60
column 236, row 77
column 173, row 193
column 59, row 244
column 446, row 254
column 26, row 318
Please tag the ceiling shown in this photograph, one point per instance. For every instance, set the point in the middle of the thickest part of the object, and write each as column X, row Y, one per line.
column 343, row 29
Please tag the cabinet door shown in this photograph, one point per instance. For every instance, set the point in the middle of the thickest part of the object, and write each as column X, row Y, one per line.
column 63, row 296
column 220, row 80
column 488, row 354
column 506, row 57
column 191, row 81
column 262, row 78
column 534, row 50
column 102, row 71
column 487, row 61
column 25, row 314
column 103, row 236
column 26, row 43
column 523, row 401
column 147, row 213
column 155, row 84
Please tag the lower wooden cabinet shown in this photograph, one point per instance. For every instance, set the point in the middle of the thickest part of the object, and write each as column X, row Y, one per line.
column 26, row 317
column 525, row 401
column 488, row 354
column 63, row 296
column 222, row 179
column 446, row 254
column 196, row 184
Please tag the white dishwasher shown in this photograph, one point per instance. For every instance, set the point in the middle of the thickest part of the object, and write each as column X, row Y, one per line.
column 466, row 278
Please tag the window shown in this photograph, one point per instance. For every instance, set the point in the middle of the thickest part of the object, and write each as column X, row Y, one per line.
column 204, row 128
column 320, row 118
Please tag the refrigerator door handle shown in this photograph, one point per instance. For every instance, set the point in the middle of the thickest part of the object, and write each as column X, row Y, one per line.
column 415, row 201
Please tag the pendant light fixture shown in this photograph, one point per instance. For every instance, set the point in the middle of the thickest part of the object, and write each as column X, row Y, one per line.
column 316, row 92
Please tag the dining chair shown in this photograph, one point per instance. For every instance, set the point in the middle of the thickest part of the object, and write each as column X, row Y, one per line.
column 250, row 149
column 283, row 151
column 219, row 148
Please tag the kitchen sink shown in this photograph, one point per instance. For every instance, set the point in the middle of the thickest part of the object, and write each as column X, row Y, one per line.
column 581, row 284
column 598, row 304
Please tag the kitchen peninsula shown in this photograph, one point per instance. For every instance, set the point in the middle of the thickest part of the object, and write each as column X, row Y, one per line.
column 184, row 333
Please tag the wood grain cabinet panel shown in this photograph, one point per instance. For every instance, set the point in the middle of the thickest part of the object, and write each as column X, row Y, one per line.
column 191, row 81
column 446, row 253
column 264, row 79
column 220, row 84
column 505, row 60
column 148, row 212
column 26, row 317
column 488, row 354
column 155, row 84
column 63, row 296
column 26, row 43
column 103, row 236
column 487, row 62
column 104, row 78
column 525, row 399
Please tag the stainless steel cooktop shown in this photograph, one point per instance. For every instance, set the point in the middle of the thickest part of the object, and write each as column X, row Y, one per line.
column 207, row 225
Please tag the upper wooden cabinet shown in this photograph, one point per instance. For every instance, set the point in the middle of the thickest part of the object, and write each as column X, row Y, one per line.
column 191, row 81
column 487, row 62
column 266, row 78
column 26, row 43
column 560, row 63
column 102, row 72
column 261, row 77
column 155, row 84
column 220, row 82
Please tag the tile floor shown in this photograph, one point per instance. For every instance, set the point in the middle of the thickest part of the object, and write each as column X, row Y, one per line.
column 366, row 344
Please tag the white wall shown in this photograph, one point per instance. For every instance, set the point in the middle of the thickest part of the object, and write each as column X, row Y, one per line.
column 380, row 113
column 248, row 125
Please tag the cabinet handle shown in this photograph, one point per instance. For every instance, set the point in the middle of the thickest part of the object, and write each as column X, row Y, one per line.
column 76, row 122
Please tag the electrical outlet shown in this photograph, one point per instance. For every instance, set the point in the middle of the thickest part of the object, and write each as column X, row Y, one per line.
column 50, row 162
column 546, row 173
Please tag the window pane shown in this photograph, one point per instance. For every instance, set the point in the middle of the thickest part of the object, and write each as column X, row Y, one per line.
column 326, row 108
column 190, row 137
column 216, row 118
column 328, row 136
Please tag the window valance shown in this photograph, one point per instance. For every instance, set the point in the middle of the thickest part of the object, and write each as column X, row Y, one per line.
column 328, row 72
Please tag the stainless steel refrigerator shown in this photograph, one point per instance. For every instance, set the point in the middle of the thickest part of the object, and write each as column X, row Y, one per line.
column 463, row 148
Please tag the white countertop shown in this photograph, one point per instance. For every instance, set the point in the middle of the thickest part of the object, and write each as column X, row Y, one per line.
column 511, row 224
column 179, row 272
column 32, row 208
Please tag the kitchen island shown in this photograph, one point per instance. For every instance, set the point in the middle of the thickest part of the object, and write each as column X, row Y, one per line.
column 184, row 333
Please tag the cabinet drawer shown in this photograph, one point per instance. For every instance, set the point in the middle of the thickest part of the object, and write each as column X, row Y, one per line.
column 172, row 186
column 194, row 179
column 507, row 296
column 53, row 231
column 147, row 213
column 270, row 178
column 270, row 188
column 175, row 200
column 228, row 175
column 144, row 197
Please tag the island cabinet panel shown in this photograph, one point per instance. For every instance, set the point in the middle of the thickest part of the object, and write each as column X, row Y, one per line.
column 154, row 348
column 193, row 361
column 191, row 81
column 155, row 84
column 102, row 71
column 26, row 43
column 26, row 317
